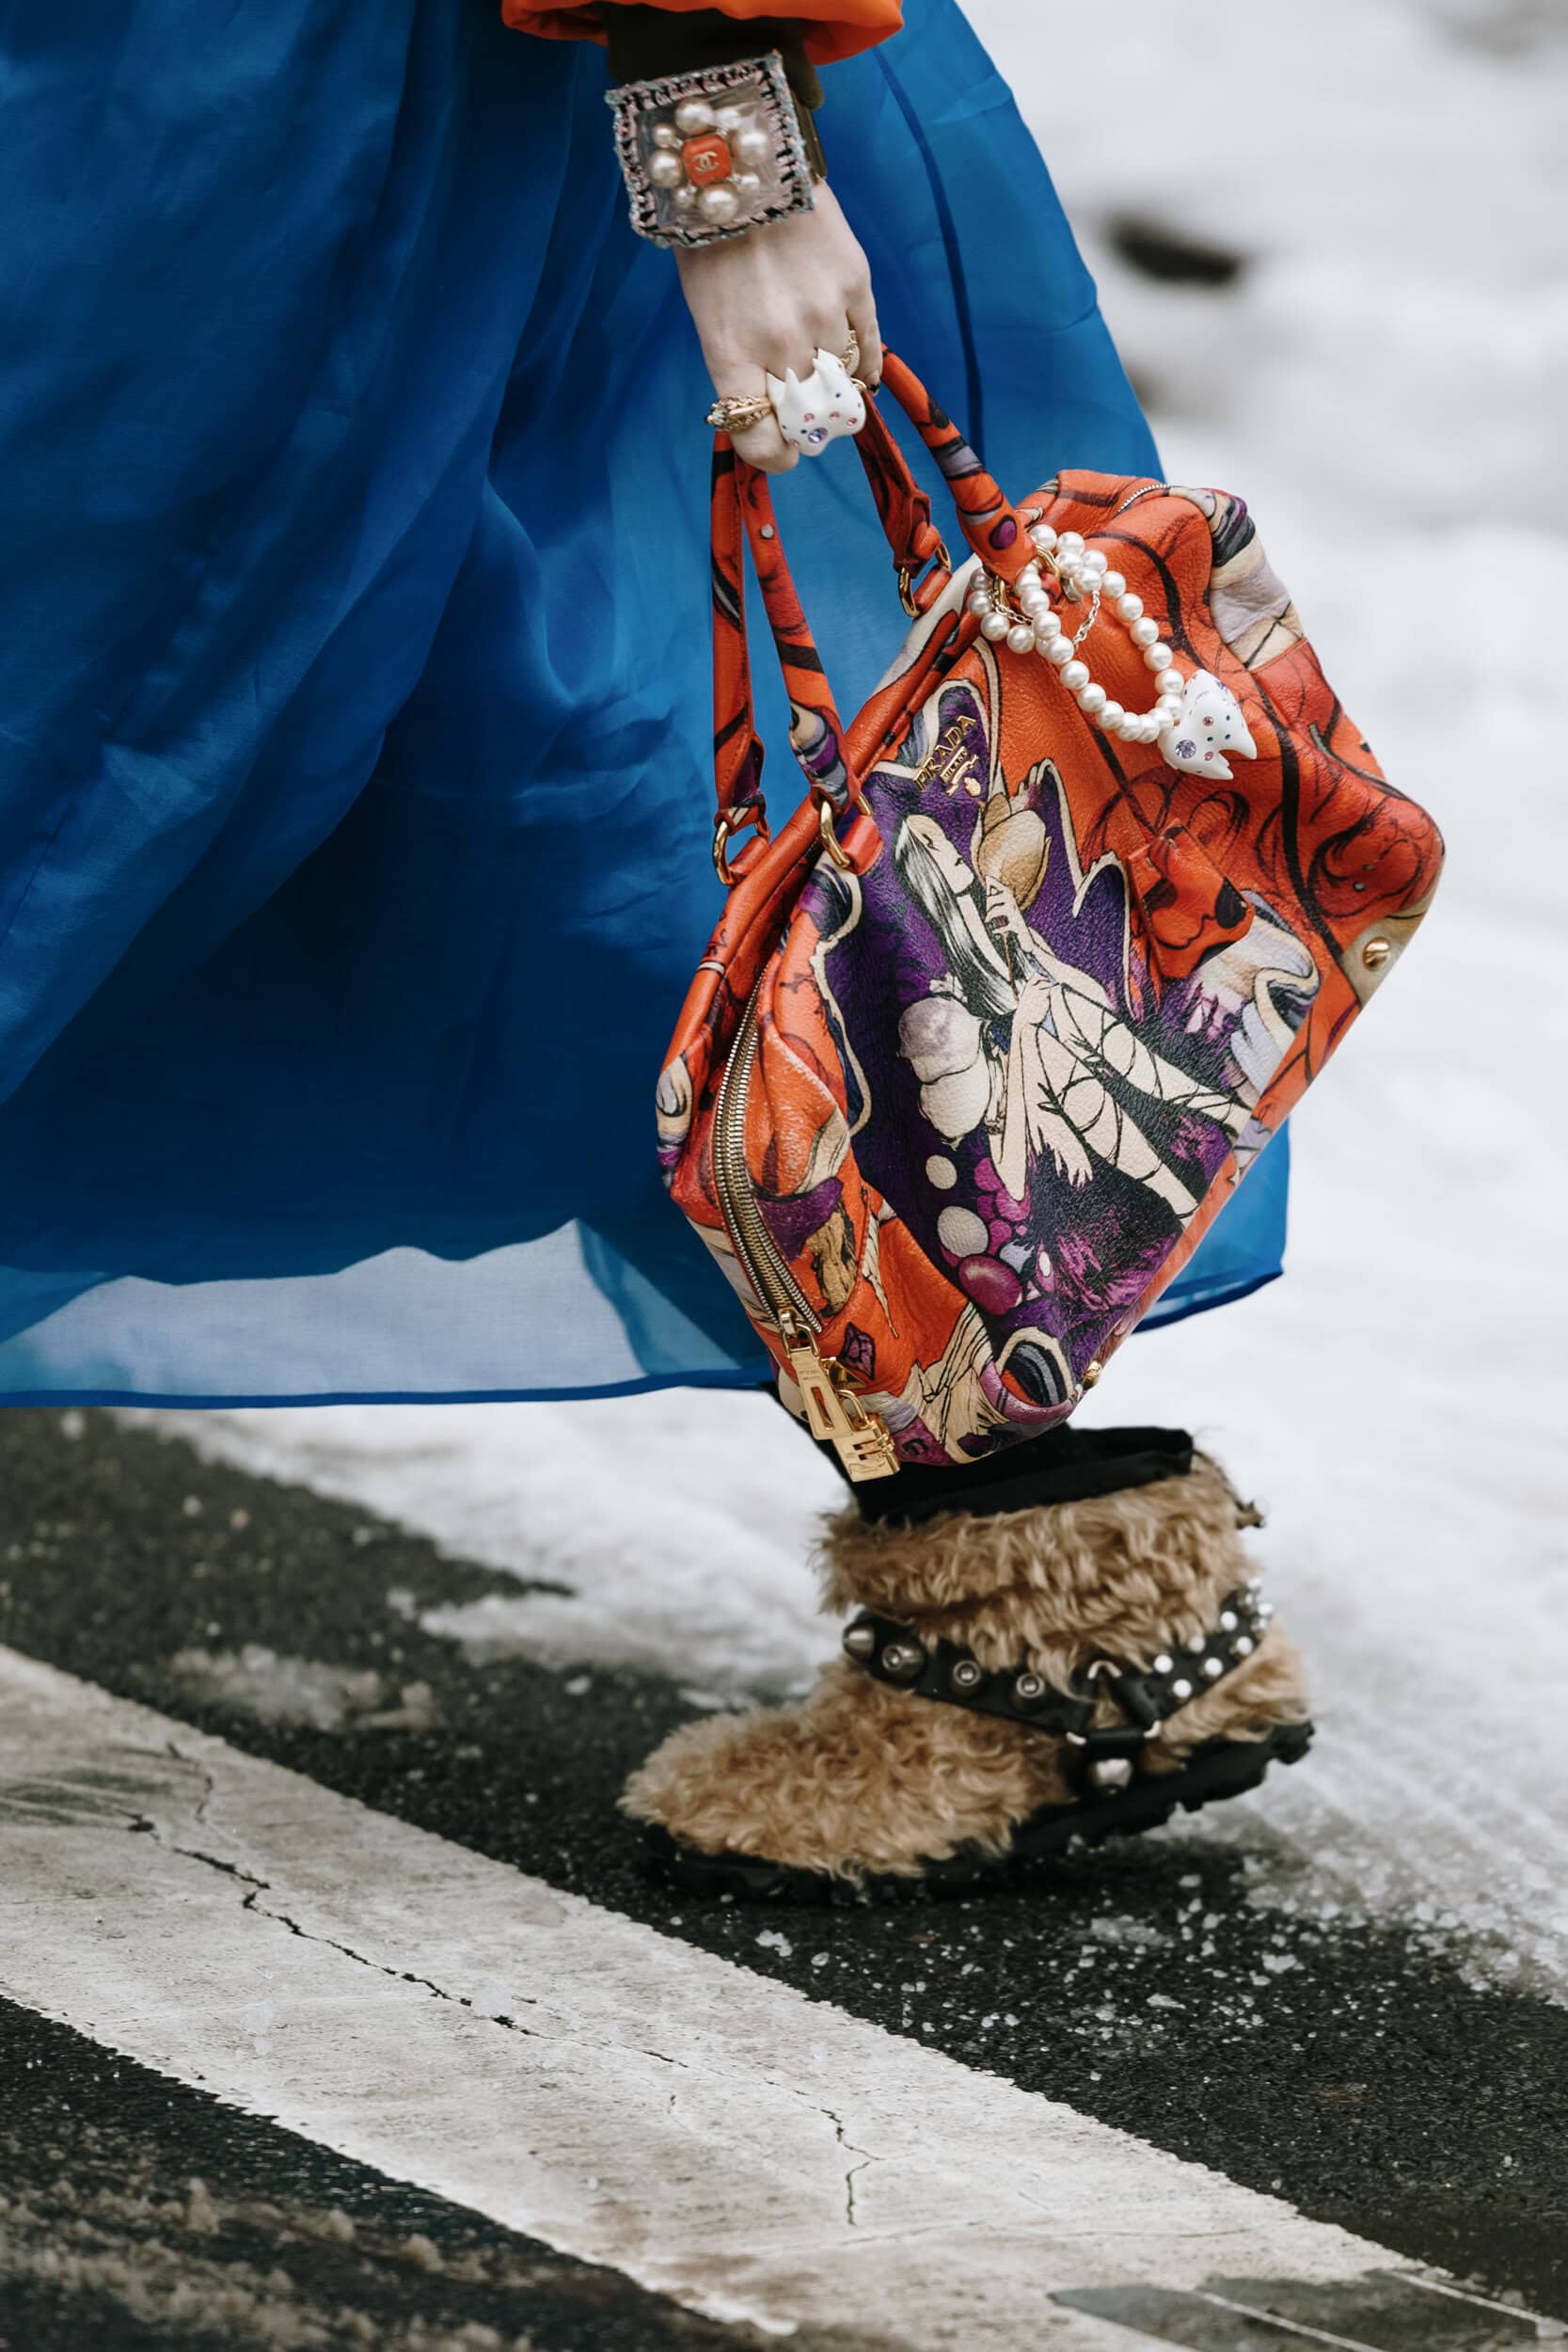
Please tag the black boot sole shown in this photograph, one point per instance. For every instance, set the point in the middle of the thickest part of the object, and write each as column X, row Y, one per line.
column 1224, row 1768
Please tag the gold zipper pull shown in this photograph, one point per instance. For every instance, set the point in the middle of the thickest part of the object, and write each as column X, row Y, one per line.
column 861, row 1440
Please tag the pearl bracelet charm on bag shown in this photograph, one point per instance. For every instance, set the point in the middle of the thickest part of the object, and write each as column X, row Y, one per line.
column 713, row 154
column 1196, row 720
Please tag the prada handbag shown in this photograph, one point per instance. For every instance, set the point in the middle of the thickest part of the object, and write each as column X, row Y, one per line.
column 1066, row 922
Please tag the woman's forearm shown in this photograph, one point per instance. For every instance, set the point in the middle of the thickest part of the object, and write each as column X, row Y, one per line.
column 765, row 299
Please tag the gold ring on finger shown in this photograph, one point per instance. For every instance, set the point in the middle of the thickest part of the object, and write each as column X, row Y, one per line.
column 739, row 413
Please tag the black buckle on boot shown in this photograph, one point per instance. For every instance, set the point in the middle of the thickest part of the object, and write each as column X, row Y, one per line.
column 1104, row 1759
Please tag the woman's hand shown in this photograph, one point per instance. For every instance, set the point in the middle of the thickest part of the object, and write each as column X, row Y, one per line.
column 768, row 300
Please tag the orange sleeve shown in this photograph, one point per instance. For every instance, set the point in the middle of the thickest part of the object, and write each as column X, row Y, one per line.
column 832, row 28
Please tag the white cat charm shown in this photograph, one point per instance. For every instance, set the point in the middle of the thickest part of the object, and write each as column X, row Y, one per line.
column 1208, row 724
column 828, row 404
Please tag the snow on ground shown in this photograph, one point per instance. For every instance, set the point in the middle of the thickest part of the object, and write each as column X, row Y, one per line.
column 1381, row 383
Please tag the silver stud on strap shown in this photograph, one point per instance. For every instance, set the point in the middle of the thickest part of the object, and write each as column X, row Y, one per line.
column 903, row 1660
column 1214, row 1668
column 860, row 1640
column 1028, row 1688
column 1111, row 1772
column 966, row 1675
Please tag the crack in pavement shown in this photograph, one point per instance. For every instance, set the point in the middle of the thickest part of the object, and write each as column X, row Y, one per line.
column 849, row 2148
column 716, row 2072
column 258, row 1887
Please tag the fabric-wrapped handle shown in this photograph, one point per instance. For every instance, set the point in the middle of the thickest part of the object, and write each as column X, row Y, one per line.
column 904, row 510
column 989, row 520
column 743, row 510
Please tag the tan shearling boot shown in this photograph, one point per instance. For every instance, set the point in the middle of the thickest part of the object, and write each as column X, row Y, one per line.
column 1013, row 1681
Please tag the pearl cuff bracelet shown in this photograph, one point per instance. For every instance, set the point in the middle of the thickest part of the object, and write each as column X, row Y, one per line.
column 712, row 153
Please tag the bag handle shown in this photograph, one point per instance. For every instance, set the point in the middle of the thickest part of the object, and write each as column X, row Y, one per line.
column 904, row 510
column 743, row 507
column 738, row 748
column 989, row 522
column 743, row 518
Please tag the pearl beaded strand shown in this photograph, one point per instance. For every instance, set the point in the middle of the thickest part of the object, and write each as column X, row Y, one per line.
column 1086, row 576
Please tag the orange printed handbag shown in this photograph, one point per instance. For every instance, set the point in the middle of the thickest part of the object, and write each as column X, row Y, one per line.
column 1065, row 923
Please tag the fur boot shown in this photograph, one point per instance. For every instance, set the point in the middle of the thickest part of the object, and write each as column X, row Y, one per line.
column 862, row 1780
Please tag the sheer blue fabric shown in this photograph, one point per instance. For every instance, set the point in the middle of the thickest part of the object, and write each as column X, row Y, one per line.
column 353, row 771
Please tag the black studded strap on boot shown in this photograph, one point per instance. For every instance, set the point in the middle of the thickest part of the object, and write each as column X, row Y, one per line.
column 1104, row 1756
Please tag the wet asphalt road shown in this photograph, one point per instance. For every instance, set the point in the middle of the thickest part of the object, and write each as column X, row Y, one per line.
column 1372, row 2076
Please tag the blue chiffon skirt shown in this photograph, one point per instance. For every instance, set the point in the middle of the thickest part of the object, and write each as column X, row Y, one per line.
column 354, row 701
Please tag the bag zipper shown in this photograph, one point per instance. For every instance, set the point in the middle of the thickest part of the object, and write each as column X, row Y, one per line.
column 861, row 1440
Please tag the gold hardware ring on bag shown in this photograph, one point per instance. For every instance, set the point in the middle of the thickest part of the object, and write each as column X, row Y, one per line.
column 831, row 841
column 732, row 821
column 908, row 572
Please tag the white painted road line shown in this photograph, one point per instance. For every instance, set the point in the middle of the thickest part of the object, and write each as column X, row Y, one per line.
column 566, row 2070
